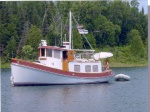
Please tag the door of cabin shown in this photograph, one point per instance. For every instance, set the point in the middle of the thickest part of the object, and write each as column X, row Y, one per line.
column 65, row 61
column 65, row 65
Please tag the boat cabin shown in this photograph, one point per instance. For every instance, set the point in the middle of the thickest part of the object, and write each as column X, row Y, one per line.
column 65, row 59
column 54, row 56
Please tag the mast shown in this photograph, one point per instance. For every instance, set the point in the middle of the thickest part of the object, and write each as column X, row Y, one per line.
column 61, row 35
column 70, row 29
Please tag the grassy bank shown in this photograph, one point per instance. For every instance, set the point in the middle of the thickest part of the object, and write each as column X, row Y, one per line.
column 5, row 65
column 123, row 57
column 119, row 64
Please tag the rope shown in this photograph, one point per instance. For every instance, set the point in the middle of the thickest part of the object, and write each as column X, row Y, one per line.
column 83, row 34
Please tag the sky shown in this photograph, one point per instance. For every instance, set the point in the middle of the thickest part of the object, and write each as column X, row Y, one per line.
column 144, row 4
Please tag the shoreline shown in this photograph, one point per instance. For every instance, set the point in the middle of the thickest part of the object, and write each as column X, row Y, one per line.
column 121, row 65
column 5, row 65
column 111, row 65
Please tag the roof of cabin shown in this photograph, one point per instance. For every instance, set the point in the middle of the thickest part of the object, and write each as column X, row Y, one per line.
column 53, row 48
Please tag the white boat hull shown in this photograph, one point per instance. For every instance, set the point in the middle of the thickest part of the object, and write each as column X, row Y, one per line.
column 24, row 75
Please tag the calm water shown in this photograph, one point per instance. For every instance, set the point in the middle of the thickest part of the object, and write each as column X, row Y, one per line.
column 130, row 96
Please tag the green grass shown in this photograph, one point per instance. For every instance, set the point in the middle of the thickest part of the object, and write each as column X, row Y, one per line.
column 5, row 65
column 120, row 64
column 122, row 57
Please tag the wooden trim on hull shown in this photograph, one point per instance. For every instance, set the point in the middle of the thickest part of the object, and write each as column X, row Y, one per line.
column 105, row 73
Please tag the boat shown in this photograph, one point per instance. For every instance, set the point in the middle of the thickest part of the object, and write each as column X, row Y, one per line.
column 122, row 77
column 61, row 65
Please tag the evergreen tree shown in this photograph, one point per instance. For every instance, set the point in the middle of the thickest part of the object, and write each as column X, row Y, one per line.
column 91, row 40
column 77, row 40
column 27, row 51
column 34, row 37
column 10, row 51
column 134, row 3
column 136, row 44
column 108, row 23
column 106, row 33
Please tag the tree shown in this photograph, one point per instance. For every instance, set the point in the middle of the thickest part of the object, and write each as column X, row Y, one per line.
column 134, row 3
column 53, row 35
column 108, row 23
column 136, row 44
column 10, row 51
column 27, row 51
column 91, row 40
column 118, row 13
column 77, row 40
column 34, row 37
column 146, row 48
column 142, row 11
column 106, row 31
column 117, row 33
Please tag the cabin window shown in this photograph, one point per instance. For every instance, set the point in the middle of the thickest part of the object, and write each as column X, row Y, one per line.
column 65, row 55
column 77, row 68
column 95, row 68
column 49, row 52
column 42, row 52
column 56, row 54
column 87, row 68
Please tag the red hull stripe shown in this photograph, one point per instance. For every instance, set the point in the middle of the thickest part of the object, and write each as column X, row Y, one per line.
column 57, row 71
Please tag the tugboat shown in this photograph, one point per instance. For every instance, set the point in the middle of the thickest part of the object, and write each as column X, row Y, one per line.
column 61, row 65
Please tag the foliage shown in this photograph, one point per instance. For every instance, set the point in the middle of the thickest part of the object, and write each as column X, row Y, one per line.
column 77, row 40
column 92, row 40
column 106, row 31
column 27, row 51
column 136, row 45
column 10, row 51
column 109, row 24
column 34, row 37
column 123, row 57
column 146, row 48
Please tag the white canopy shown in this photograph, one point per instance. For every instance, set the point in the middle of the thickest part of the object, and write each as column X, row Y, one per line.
column 101, row 55
column 83, row 31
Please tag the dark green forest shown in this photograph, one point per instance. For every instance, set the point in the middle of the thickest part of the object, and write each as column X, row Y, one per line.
column 115, row 26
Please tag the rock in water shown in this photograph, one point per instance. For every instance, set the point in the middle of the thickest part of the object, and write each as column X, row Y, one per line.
column 122, row 77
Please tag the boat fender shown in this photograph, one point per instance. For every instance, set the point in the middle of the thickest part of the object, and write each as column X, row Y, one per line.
column 12, row 80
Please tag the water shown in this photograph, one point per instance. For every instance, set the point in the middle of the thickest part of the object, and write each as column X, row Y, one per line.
column 130, row 96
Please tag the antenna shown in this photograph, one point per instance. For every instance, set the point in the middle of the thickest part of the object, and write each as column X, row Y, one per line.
column 72, row 40
column 70, row 29
column 65, row 37
column 61, row 33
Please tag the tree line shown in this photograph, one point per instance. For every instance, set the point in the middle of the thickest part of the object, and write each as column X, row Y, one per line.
column 109, row 23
